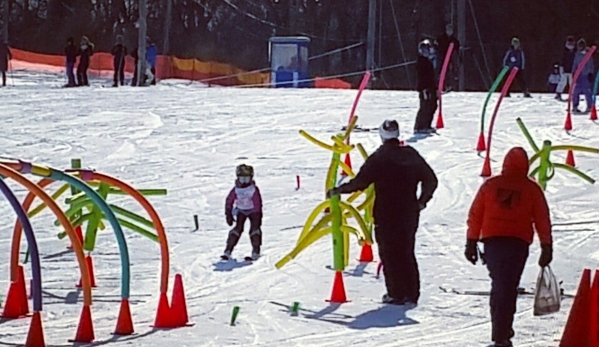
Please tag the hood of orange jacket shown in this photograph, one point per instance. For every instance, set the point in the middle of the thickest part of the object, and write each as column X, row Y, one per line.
column 515, row 163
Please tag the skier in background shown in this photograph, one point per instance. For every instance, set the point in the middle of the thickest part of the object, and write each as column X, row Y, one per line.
column 5, row 56
column 585, row 80
column 119, row 52
column 396, row 171
column 554, row 79
column 244, row 202
column 515, row 58
column 86, row 50
column 151, row 56
column 71, row 52
column 566, row 67
column 443, row 43
column 502, row 217
column 427, row 90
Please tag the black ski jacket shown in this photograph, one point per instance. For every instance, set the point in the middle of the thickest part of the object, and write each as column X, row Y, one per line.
column 396, row 172
column 568, row 60
column 426, row 74
column 71, row 52
column 5, row 56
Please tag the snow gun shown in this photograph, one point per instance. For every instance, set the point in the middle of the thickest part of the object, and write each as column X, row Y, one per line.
column 545, row 170
column 335, row 221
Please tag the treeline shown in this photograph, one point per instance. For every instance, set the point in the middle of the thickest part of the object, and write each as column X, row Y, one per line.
column 237, row 31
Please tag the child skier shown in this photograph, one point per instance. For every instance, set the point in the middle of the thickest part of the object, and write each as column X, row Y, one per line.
column 245, row 202
column 554, row 79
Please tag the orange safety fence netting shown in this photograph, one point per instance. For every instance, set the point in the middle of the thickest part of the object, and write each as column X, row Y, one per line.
column 101, row 64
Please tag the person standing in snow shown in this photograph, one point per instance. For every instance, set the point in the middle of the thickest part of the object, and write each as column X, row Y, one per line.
column 151, row 56
column 244, row 202
column 396, row 171
column 119, row 52
column 86, row 50
column 554, row 79
column 566, row 67
column 586, row 79
column 502, row 216
column 427, row 89
column 443, row 43
column 71, row 52
column 515, row 58
column 5, row 56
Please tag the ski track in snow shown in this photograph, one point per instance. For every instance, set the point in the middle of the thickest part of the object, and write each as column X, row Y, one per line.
column 189, row 138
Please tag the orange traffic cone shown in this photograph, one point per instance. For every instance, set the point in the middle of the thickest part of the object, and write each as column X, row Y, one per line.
column 486, row 167
column 568, row 123
column 12, row 306
column 577, row 330
column 594, row 113
column 163, row 314
column 178, row 303
column 570, row 159
column 85, row 330
column 90, row 268
column 595, row 311
column 35, row 337
column 22, row 292
column 338, row 293
column 440, row 124
column 481, row 146
column 366, row 254
column 124, row 324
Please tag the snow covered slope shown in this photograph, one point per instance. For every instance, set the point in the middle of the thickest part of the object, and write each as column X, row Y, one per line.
column 188, row 139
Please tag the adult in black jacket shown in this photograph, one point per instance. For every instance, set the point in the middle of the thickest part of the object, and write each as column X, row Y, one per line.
column 86, row 50
column 565, row 68
column 396, row 172
column 71, row 52
column 427, row 89
column 119, row 52
column 5, row 56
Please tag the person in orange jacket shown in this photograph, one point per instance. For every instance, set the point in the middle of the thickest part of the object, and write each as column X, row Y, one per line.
column 502, row 217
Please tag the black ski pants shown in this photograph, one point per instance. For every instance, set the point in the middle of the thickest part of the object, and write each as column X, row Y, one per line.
column 119, row 72
column 255, row 231
column 426, row 112
column 3, row 78
column 505, row 257
column 82, row 75
column 396, row 249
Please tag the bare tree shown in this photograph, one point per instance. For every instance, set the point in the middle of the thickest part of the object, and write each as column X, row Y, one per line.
column 141, row 41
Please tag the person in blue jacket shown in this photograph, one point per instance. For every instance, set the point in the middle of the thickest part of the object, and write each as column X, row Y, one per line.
column 515, row 58
column 586, row 79
column 151, row 56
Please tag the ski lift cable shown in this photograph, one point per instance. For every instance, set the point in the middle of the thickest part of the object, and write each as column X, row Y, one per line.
column 482, row 47
column 403, row 52
column 269, row 69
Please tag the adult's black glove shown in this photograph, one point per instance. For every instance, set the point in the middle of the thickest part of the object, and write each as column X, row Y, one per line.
column 546, row 255
column 421, row 205
column 230, row 219
column 332, row 192
column 471, row 252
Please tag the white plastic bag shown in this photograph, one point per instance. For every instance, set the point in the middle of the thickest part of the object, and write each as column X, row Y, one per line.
column 547, row 293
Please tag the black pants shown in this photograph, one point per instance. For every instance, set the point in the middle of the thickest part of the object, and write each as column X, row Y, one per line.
column 426, row 113
column 255, row 232
column 396, row 250
column 505, row 259
column 119, row 72
column 4, row 78
column 82, row 75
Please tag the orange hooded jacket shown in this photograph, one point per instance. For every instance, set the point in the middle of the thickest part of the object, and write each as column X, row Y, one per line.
column 509, row 204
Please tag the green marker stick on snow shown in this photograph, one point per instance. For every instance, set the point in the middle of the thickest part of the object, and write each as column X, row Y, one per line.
column 234, row 315
column 295, row 309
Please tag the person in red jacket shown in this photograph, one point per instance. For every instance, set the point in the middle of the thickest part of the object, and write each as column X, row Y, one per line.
column 502, row 217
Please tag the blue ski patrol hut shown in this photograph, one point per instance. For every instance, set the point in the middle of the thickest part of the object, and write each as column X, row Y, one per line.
column 289, row 61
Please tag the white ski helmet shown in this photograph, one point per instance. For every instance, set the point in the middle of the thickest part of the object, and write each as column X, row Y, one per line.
column 389, row 130
column 424, row 47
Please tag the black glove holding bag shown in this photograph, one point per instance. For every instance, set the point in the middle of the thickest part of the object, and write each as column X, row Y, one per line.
column 546, row 255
